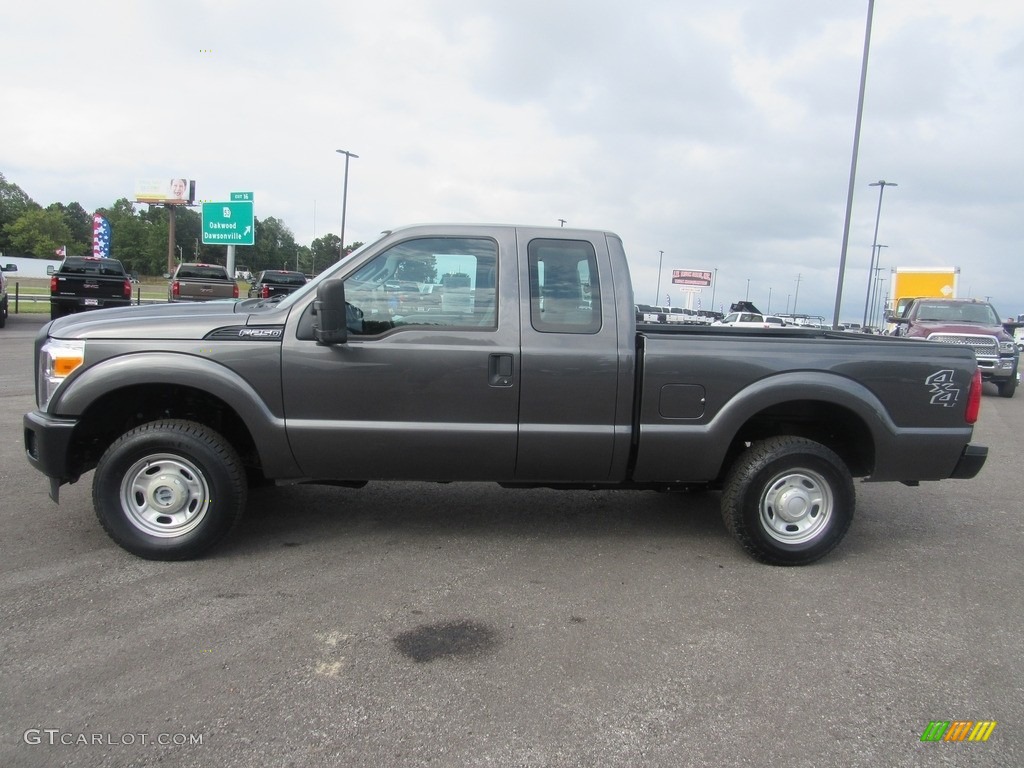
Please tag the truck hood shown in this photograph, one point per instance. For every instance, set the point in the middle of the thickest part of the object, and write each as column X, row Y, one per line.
column 163, row 321
column 924, row 330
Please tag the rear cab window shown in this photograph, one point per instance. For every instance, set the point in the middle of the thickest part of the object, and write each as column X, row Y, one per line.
column 565, row 289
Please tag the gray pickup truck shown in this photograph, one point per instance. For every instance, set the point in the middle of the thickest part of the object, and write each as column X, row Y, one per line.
column 200, row 282
column 486, row 353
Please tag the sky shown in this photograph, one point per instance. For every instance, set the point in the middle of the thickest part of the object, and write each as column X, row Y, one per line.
column 712, row 135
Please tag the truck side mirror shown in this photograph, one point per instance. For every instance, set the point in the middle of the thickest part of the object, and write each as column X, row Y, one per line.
column 329, row 308
column 50, row 269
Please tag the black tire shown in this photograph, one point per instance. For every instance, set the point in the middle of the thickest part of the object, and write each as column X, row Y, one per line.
column 813, row 483
column 3, row 313
column 169, row 490
column 1008, row 387
column 56, row 312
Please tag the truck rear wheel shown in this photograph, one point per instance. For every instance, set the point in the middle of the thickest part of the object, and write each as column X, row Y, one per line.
column 788, row 500
column 169, row 490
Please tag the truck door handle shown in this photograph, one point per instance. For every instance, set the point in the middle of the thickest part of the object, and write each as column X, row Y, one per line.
column 499, row 370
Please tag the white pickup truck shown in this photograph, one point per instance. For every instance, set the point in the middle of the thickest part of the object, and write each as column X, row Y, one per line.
column 750, row 320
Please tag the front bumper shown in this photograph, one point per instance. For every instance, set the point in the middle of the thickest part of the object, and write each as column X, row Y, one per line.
column 997, row 369
column 47, row 442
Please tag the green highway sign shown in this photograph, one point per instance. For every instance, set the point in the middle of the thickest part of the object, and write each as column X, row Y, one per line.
column 241, row 196
column 228, row 223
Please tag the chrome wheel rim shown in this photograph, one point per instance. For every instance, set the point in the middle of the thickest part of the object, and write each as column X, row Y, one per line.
column 165, row 495
column 796, row 506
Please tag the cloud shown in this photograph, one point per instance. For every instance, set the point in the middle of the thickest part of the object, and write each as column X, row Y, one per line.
column 718, row 132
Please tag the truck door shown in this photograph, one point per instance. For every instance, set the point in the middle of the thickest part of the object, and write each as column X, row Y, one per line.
column 426, row 386
column 577, row 359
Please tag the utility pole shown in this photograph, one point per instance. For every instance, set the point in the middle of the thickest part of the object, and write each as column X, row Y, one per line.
column 657, row 297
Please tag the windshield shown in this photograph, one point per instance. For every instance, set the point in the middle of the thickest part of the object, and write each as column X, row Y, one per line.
column 312, row 285
column 92, row 266
column 284, row 278
column 201, row 272
column 981, row 314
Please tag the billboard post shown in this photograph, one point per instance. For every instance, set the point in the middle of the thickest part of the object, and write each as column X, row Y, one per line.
column 170, row 194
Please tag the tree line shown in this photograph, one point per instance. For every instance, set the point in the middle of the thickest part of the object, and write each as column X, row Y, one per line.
column 139, row 236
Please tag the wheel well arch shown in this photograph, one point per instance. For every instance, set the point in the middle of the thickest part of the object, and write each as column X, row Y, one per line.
column 119, row 410
column 835, row 426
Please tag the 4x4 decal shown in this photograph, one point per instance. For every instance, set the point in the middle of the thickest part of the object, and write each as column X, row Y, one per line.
column 944, row 390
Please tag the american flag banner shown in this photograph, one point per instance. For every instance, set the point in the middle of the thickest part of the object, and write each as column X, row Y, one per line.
column 100, row 236
column 62, row 251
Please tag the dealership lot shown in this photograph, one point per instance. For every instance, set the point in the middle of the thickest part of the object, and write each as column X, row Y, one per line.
column 469, row 625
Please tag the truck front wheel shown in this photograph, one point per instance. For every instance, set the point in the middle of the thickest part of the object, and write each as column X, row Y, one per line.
column 169, row 490
column 1009, row 386
column 788, row 500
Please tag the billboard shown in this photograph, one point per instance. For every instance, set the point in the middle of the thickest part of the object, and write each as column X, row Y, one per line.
column 176, row 191
column 698, row 277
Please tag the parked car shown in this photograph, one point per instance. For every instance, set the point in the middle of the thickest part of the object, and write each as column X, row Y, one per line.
column 276, row 282
column 968, row 323
column 82, row 283
column 533, row 375
column 201, row 282
column 751, row 320
column 645, row 313
column 3, row 292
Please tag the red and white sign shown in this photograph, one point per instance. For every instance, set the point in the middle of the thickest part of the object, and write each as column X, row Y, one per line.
column 691, row 277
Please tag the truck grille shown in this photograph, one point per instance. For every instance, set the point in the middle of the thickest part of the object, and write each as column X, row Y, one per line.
column 983, row 346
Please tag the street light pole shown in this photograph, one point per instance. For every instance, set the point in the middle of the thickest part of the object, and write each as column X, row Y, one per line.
column 657, row 297
column 714, row 285
column 853, row 165
column 344, row 195
column 876, row 253
column 882, row 184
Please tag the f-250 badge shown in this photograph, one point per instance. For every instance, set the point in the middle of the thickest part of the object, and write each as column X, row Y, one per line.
column 944, row 391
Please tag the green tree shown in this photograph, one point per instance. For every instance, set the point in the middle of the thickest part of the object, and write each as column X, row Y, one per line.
column 41, row 233
column 130, row 238
column 13, row 204
column 79, row 223
column 324, row 252
column 274, row 247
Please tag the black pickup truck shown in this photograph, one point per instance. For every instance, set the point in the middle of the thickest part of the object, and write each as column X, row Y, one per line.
column 88, row 282
column 3, row 292
column 498, row 353
column 276, row 282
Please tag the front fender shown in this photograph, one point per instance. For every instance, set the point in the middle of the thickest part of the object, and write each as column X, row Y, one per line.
column 179, row 369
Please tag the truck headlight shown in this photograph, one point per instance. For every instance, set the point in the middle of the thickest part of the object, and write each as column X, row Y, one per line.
column 58, row 359
column 1007, row 348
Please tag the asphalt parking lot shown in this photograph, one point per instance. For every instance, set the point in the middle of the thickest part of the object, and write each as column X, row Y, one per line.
column 466, row 625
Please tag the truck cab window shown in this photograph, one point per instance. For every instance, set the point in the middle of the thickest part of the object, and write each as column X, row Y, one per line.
column 425, row 282
column 565, row 291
